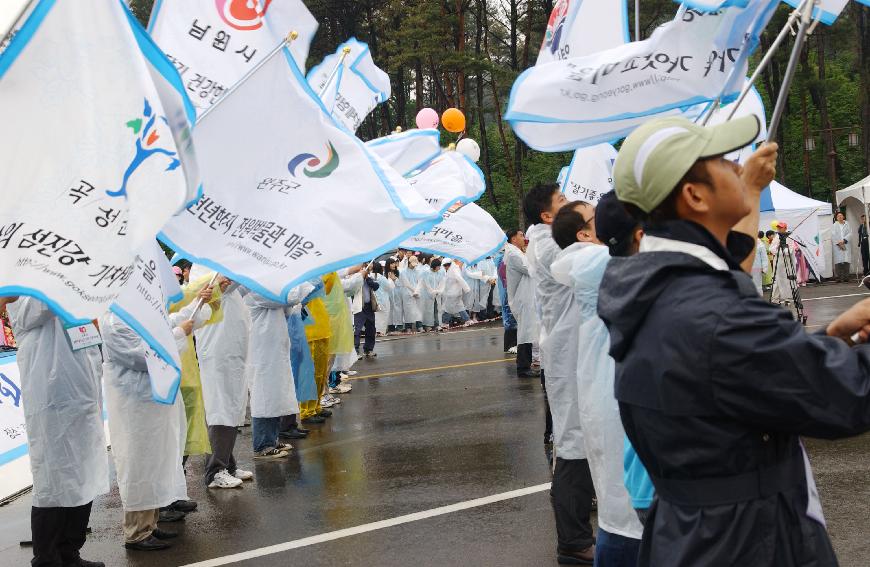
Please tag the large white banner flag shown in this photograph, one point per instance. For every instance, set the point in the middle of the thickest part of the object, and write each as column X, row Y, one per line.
column 448, row 179
column 143, row 306
column 825, row 10
column 752, row 104
column 214, row 43
column 351, row 85
column 693, row 59
column 409, row 150
column 95, row 155
column 582, row 27
column 590, row 174
column 469, row 234
column 290, row 194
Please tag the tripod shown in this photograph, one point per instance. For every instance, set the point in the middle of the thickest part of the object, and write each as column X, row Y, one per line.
column 790, row 274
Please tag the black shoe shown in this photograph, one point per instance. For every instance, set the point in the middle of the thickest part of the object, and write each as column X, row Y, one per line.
column 314, row 419
column 185, row 506
column 303, row 430
column 84, row 563
column 160, row 534
column 150, row 543
column 293, row 433
column 529, row 374
column 325, row 413
column 171, row 516
column 585, row 557
column 371, row 355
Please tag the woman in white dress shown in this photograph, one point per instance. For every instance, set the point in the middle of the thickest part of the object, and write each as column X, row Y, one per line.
column 841, row 236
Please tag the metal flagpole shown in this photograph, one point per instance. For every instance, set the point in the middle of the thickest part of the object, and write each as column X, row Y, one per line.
column 200, row 302
column 765, row 61
column 806, row 20
column 344, row 53
column 21, row 13
column 636, row 20
column 287, row 41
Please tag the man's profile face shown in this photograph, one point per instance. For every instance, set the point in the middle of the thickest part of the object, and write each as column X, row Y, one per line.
column 519, row 240
column 557, row 201
column 729, row 197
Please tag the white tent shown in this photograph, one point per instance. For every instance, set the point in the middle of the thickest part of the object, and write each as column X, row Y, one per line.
column 853, row 201
column 808, row 219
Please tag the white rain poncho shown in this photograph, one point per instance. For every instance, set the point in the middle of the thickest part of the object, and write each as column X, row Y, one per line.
column 148, row 438
column 521, row 295
column 431, row 296
column 489, row 273
column 759, row 265
column 384, row 293
column 840, row 232
column 60, row 390
column 599, row 411
column 558, row 346
column 409, row 285
column 455, row 289
column 223, row 352
column 273, row 391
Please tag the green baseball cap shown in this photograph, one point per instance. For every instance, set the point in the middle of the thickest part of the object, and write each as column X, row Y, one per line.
column 658, row 154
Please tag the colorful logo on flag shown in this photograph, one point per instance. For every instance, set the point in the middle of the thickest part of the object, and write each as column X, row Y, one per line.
column 313, row 161
column 147, row 147
column 555, row 25
column 244, row 15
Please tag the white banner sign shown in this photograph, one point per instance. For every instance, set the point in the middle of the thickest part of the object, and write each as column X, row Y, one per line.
column 581, row 27
column 590, row 174
column 95, row 154
column 692, row 59
column 143, row 306
column 352, row 89
column 469, row 234
column 290, row 195
column 407, row 151
column 447, row 179
column 213, row 43
column 14, row 464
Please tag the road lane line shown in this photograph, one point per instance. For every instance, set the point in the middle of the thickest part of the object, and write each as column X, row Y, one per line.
column 834, row 296
column 356, row 530
column 419, row 370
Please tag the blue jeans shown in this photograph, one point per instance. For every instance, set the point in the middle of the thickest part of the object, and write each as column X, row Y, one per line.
column 447, row 317
column 265, row 432
column 615, row 550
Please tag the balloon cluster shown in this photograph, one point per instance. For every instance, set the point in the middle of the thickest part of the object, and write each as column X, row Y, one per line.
column 453, row 120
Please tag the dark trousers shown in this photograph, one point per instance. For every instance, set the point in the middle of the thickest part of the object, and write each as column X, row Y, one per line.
column 571, row 496
column 865, row 259
column 524, row 357
column 58, row 534
column 510, row 339
column 223, row 440
column 614, row 550
column 264, row 432
column 364, row 320
column 548, row 418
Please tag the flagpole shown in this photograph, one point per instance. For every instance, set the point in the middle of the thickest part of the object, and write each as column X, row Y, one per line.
column 806, row 20
column 15, row 21
column 636, row 20
column 344, row 53
column 287, row 41
column 200, row 302
column 768, row 57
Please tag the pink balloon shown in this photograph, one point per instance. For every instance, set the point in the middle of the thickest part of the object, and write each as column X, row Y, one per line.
column 427, row 118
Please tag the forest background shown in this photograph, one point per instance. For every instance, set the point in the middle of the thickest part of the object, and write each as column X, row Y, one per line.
column 467, row 53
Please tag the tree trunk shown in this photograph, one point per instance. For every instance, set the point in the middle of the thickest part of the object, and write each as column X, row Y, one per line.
column 822, row 105
column 483, row 140
column 418, row 83
column 862, row 24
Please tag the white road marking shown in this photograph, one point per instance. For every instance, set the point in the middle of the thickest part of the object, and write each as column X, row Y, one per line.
column 347, row 532
column 835, row 296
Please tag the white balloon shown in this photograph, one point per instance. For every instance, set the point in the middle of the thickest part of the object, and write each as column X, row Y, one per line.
column 468, row 147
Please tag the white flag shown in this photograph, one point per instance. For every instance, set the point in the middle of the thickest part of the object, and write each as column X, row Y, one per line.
column 448, row 179
column 752, row 104
column 469, row 234
column 290, row 195
column 693, row 59
column 590, row 174
column 409, row 150
column 582, row 27
column 214, row 43
column 95, row 154
column 143, row 307
column 352, row 89
column 827, row 10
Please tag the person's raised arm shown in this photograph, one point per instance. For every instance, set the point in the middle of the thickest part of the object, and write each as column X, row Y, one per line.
column 757, row 174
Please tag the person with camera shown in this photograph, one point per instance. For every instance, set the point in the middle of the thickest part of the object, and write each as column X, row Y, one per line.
column 715, row 385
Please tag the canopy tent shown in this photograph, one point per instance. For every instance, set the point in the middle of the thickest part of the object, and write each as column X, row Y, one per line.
column 853, row 202
column 802, row 214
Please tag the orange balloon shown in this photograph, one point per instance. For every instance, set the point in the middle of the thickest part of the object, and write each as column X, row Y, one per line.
column 453, row 120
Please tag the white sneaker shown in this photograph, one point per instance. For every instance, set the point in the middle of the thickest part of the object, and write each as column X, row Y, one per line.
column 326, row 402
column 512, row 350
column 333, row 390
column 243, row 475
column 341, row 389
column 223, row 479
column 334, row 399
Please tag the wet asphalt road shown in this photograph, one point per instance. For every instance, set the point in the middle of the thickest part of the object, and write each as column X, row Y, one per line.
column 434, row 421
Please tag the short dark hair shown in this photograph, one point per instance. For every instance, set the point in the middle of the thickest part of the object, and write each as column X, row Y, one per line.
column 566, row 224
column 511, row 233
column 377, row 268
column 769, row 233
column 435, row 263
column 538, row 200
column 760, row 234
column 666, row 211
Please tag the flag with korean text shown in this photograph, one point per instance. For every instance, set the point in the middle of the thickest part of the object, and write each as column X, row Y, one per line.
column 290, row 194
column 214, row 43
column 582, row 27
column 466, row 232
column 448, row 179
column 409, row 150
column 96, row 153
column 580, row 101
column 825, row 10
column 350, row 85
column 590, row 174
